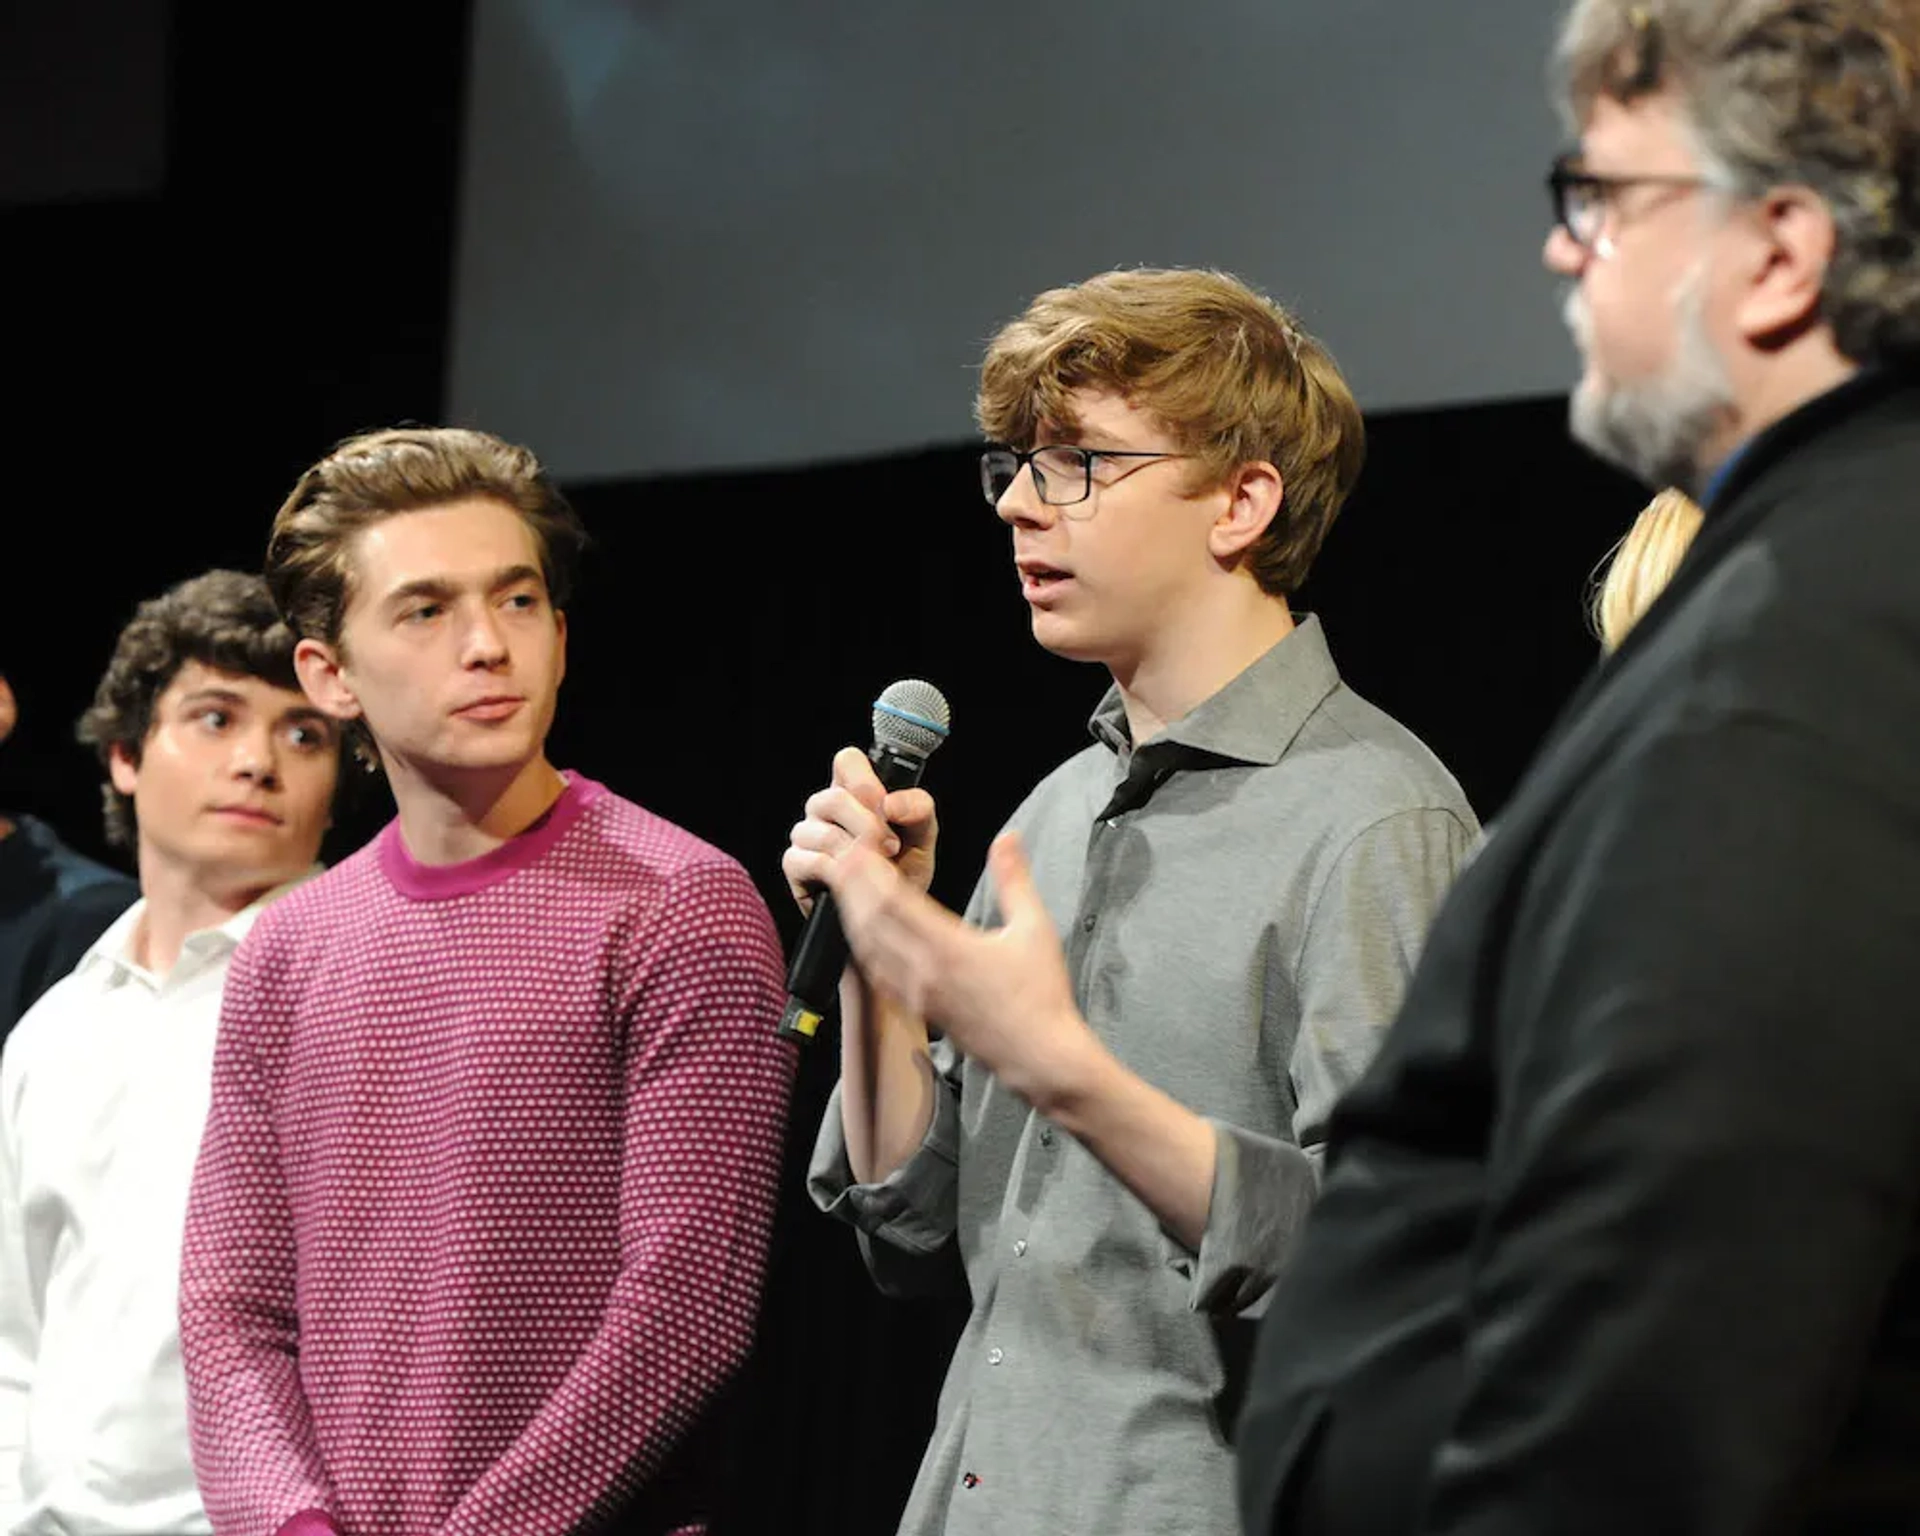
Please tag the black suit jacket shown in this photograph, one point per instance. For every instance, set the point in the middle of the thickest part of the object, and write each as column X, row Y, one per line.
column 53, row 904
column 1619, row 1233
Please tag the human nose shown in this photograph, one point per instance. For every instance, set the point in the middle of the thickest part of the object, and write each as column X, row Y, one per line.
column 1020, row 504
column 255, row 756
column 1564, row 255
column 483, row 643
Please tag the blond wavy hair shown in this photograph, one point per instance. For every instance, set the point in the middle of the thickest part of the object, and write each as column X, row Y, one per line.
column 1641, row 564
column 1227, row 371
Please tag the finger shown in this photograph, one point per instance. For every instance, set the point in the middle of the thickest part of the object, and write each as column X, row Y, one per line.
column 880, row 933
column 838, row 808
column 1013, row 885
column 876, row 901
column 862, row 884
column 911, row 814
column 805, row 874
column 817, row 835
column 854, row 773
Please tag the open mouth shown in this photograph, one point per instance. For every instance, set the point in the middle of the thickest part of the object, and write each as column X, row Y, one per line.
column 1038, row 579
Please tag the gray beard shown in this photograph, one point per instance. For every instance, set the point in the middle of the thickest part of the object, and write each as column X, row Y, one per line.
column 1658, row 429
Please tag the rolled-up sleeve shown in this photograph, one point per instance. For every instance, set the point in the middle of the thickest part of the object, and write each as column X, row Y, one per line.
column 1363, row 934
column 907, row 1221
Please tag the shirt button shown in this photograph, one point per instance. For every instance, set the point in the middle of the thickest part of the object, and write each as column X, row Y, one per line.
column 995, row 1356
column 1086, row 923
column 1019, row 1247
column 1046, row 1135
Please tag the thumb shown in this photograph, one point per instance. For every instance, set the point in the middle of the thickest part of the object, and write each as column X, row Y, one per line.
column 1013, row 881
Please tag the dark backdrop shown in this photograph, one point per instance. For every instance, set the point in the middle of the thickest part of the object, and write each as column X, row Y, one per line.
column 178, row 356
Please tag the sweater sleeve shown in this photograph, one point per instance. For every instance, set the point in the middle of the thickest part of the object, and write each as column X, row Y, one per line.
column 706, row 1090
column 254, row 1448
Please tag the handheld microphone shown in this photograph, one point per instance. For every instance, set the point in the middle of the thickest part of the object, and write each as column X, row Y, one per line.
column 909, row 720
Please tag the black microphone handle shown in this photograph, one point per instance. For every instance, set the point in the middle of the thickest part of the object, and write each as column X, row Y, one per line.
column 813, row 979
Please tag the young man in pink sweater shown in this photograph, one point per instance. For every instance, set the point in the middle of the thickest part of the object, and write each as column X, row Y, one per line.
column 479, row 1223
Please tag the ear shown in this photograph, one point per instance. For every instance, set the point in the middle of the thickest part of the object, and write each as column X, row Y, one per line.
column 1254, row 494
column 122, row 769
column 324, row 680
column 560, row 625
column 1792, row 247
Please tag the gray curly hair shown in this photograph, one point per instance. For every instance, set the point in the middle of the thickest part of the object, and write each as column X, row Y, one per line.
column 1814, row 93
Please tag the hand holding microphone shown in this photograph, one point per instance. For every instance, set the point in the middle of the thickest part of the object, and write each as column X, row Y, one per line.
column 873, row 798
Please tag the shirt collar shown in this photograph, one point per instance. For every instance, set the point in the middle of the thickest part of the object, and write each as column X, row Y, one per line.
column 1255, row 717
column 1864, row 383
column 114, row 948
column 1710, row 492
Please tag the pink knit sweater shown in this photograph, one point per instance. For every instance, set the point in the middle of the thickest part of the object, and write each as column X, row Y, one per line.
column 481, row 1213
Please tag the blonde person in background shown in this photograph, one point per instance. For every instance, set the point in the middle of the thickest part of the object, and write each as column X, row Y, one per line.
column 1642, row 563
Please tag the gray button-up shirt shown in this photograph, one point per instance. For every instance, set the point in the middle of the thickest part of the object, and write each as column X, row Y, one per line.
column 1241, row 900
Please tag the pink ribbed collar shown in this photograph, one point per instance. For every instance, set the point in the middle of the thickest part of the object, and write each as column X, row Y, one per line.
column 438, row 882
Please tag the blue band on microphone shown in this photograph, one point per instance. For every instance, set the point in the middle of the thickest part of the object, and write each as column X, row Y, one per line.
column 919, row 720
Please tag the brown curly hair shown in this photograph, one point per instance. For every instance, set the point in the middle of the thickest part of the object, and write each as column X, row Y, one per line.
column 1814, row 93
column 1226, row 370
column 222, row 619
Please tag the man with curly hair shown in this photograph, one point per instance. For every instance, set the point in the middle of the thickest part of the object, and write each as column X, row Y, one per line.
column 1621, row 1233
column 221, row 777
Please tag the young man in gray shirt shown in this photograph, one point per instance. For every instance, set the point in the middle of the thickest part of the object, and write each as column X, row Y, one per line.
column 1192, row 935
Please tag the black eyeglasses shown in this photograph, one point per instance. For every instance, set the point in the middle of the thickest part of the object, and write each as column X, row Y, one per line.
column 1581, row 198
column 1062, row 474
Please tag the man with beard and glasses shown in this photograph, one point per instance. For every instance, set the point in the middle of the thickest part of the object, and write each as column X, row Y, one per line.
column 1621, row 1231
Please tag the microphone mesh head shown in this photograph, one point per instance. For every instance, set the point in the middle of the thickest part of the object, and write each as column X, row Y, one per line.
column 910, row 716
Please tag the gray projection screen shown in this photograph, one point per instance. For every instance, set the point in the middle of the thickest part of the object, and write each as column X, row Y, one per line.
column 773, row 232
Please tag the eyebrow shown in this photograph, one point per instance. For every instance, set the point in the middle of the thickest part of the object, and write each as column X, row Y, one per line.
column 1093, row 439
column 213, row 693
column 306, row 714
column 440, row 588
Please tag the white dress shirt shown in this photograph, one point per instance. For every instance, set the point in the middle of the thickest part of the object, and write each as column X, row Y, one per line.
column 103, row 1093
